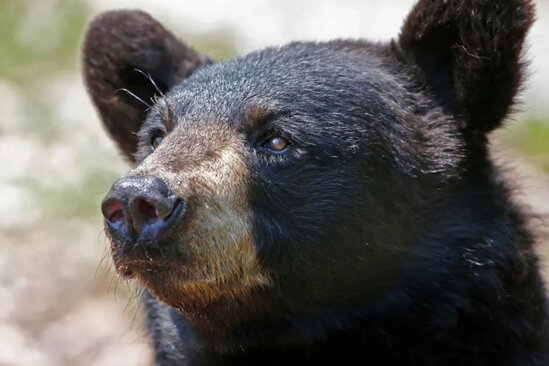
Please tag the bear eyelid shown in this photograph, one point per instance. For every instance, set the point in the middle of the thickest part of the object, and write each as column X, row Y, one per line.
column 257, row 118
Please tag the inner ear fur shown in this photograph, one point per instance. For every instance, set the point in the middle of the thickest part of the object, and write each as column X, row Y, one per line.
column 469, row 55
column 122, row 51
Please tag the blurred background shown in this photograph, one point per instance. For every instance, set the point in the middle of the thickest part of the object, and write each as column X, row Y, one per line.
column 60, row 301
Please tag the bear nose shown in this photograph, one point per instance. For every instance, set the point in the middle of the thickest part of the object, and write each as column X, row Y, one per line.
column 139, row 208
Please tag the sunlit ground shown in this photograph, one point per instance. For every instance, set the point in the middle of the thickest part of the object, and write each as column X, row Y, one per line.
column 60, row 302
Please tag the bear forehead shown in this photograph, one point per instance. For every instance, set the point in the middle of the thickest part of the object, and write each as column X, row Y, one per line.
column 300, row 76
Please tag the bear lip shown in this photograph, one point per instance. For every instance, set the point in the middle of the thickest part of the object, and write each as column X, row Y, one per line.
column 146, row 257
column 130, row 268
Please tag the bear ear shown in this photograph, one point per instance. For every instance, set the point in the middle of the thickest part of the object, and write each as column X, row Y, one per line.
column 469, row 55
column 128, row 58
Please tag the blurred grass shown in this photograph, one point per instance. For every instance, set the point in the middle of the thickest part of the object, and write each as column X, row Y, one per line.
column 74, row 201
column 531, row 139
column 218, row 44
column 38, row 36
column 41, row 36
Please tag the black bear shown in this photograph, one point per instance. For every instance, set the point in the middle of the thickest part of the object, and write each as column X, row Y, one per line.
column 329, row 202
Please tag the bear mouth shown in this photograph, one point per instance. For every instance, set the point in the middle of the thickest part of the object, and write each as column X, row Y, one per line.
column 131, row 268
column 151, row 259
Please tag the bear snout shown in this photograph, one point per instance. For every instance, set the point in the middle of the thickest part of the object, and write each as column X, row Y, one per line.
column 140, row 209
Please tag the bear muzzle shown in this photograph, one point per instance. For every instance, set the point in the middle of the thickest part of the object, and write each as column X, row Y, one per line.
column 140, row 209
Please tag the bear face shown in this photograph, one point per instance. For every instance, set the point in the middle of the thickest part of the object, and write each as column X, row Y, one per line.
column 254, row 216
column 303, row 189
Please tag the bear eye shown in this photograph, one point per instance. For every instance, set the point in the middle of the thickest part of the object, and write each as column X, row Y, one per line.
column 156, row 140
column 277, row 144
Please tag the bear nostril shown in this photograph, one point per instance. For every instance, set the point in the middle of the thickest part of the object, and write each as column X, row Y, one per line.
column 113, row 211
column 117, row 216
column 154, row 210
column 147, row 209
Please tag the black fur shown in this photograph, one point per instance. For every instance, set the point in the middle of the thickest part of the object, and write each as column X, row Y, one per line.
column 390, row 234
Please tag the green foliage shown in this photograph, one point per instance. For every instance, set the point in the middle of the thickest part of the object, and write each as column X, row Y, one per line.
column 217, row 44
column 531, row 138
column 39, row 36
column 535, row 137
column 74, row 201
